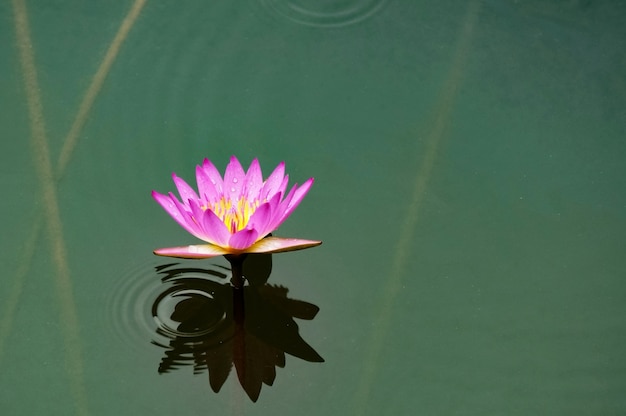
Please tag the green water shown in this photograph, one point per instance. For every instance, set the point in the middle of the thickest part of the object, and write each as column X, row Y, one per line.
column 469, row 190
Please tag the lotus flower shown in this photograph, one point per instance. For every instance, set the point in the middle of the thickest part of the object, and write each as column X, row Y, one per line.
column 234, row 215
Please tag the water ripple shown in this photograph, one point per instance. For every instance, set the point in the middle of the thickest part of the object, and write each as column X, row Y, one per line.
column 325, row 13
column 158, row 301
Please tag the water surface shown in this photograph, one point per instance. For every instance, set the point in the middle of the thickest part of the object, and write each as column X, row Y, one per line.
column 469, row 167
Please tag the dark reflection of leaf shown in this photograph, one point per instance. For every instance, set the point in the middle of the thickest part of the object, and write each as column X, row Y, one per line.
column 212, row 325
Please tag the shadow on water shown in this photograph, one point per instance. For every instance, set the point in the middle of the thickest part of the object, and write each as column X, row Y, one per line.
column 205, row 322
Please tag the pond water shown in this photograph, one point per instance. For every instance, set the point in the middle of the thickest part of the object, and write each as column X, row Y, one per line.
column 469, row 165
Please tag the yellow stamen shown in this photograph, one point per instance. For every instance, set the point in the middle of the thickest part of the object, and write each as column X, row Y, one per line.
column 235, row 215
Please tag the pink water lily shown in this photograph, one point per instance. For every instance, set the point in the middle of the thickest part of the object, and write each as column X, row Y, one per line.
column 234, row 214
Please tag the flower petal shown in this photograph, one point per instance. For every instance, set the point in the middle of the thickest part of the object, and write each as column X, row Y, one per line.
column 190, row 224
column 279, row 212
column 273, row 182
column 206, row 189
column 234, row 178
column 203, row 251
column 277, row 245
column 283, row 186
column 273, row 215
column 214, row 185
column 184, row 190
column 211, row 228
column 253, row 182
column 173, row 207
column 297, row 197
column 168, row 205
column 238, row 193
column 243, row 239
column 260, row 219
column 292, row 201
column 215, row 230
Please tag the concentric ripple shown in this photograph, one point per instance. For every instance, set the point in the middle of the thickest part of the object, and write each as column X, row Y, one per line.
column 187, row 312
column 157, row 302
column 328, row 13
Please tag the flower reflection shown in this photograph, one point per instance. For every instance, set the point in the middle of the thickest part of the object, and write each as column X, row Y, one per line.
column 207, row 323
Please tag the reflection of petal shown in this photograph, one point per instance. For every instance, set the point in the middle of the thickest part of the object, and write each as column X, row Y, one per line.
column 255, row 329
column 270, row 318
column 218, row 361
column 257, row 364
column 257, row 268
column 296, row 308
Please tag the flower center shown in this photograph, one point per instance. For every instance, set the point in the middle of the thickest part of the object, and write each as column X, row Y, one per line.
column 235, row 214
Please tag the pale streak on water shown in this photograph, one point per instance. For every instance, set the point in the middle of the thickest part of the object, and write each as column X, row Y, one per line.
column 94, row 87
column 48, row 177
column 41, row 158
column 442, row 113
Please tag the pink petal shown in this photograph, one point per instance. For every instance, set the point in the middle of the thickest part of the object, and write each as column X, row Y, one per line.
column 277, row 245
column 274, row 215
column 243, row 239
column 206, row 188
column 214, row 176
column 273, row 182
column 274, row 208
column 275, row 200
column 234, row 178
column 173, row 207
column 211, row 228
column 294, row 201
column 279, row 212
column 298, row 196
column 184, row 190
column 215, row 230
column 187, row 216
column 167, row 204
column 260, row 219
column 203, row 251
column 254, row 181
column 283, row 186
column 196, row 211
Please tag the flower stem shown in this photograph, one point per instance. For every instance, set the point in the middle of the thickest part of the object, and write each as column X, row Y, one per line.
column 236, row 266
